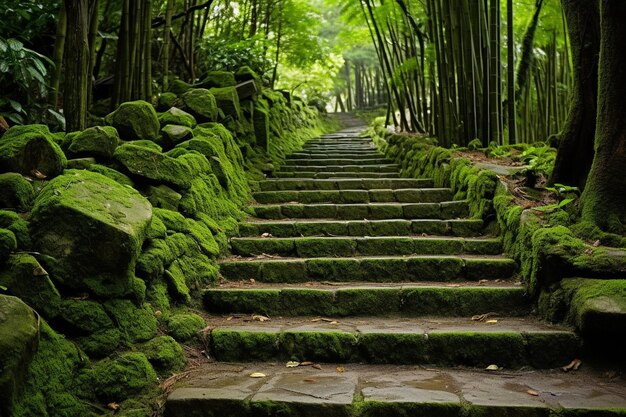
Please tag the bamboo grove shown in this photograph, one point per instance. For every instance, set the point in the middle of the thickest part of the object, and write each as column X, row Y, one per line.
column 495, row 70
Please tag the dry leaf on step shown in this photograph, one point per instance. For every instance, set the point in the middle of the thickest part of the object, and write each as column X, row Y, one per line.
column 257, row 375
column 532, row 392
column 38, row 175
column 492, row 368
column 266, row 234
column 492, row 321
column 306, row 363
column 572, row 366
column 113, row 406
column 317, row 366
column 293, row 364
column 258, row 317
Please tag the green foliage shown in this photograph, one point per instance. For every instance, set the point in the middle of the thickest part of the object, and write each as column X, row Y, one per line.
column 23, row 78
column 219, row 54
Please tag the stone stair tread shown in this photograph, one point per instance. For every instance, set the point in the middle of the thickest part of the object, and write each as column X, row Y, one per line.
column 339, row 286
column 219, row 389
column 383, row 257
column 372, row 238
column 355, row 196
column 335, row 175
column 281, row 184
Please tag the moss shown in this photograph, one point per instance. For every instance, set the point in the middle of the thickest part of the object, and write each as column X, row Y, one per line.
column 176, row 116
column 112, row 174
column 246, row 73
column 397, row 348
column 185, row 327
column 175, row 278
column 95, row 141
column 228, row 101
column 94, row 227
column 55, row 367
column 137, row 324
column 79, row 317
column 477, row 349
column 135, row 120
column 120, row 378
column 178, row 87
column 327, row 346
column 16, row 192
column 218, row 79
column 174, row 134
column 201, row 103
column 230, row 345
column 166, row 101
column 165, row 355
column 157, row 229
column 302, row 302
column 25, row 149
column 25, row 278
column 243, row 301
column 157, row 296
column 370, row 408
column 8, row 244
column 13, row 222
column 100, row 343
column 162, row 196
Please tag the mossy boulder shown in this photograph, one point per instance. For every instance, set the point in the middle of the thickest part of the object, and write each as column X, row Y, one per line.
column 19, row 338
column 94, row 227
column 16, row 224
column 25, row 278
column 246, row 73
column 176, row 116
column 228, row 101
column 261, row 121
column 218, row 79
column 8, row 243
column 117, row 379
column 178, row 87
column 135, row 120
column 96, row 141
column 165, row 354
column 166, row 100
column 201, row 103
column 136, row 323
column 162, row 196
column 112, row 174
column 80, row 163
column 185, row 327
column 30, row 149
column 175, row 134
column 16, row 192
column 154, row 165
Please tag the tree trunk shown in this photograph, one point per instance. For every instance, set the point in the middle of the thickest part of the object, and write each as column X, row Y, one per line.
column 76, row 64
column 573, row 161
column 604, row 199
column 527, row 50
column 57, row 57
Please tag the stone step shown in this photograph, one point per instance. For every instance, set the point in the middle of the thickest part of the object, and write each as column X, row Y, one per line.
column 398, row 269
column 339, row 141
column 370, row 211
column 343, row 149
column 316, row 247
column 357, row 152
column 325, row 175
column 407, row 195
column 328, row 161
column 391, row 227
column 382, row 168
column 368, row 300
column 507, row 342
column 335, row 155
column 221, row 390
column 281, row 184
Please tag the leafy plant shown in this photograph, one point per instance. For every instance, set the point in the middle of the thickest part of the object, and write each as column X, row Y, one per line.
column 23, row 77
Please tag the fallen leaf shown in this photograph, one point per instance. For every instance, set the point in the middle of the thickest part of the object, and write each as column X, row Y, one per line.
column 334, row 322
column 257, row 375
column 492, row 368
column 258, row 317
column 293, row 364
column 483, row 317
column 229, row 318
column 306, row 363
column 483, row 281
column 158, row 313
column 35, row 173
column 588, row 252
column 492, row 321
column 596, row 243
column 252, row 281
column 39, row 271
column 572, row 366
column 315, row 320
column 532, row 392
column 308, row 380
column 266, row 234
column 113, row 406
column 340, row 369
column 317, row 366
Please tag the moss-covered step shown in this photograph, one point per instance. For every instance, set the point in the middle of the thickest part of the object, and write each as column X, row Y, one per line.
column 506, row 341
column 406, row 195
column 217, row 390
column 281, row 184
column 445, row 210
column 335, row 155
column 369, row 300
column 324, row 175
column 339, row 148
column 342, row 168
column 312, row 247
column 335, row 161
column 370, row 269
column 390, row 227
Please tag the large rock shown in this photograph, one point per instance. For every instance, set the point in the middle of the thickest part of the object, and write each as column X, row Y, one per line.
column 19, row 331
column 25, row 278
column 8, row 243
column 135, row 120
column 175, row 134
column 228, row 101
column 176, row 116
column 154, row 165
column 218, row 79
column 30, row 150
column 96, row 141
column 94, row 227
column 201, row 103
column 261, row 121
column 16, row 192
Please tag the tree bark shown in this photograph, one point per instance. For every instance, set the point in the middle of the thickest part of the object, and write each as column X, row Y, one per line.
column 575, row 155
column 76, row 64
column 604, row 200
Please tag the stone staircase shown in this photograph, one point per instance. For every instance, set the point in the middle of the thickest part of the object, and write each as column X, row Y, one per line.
column 388, row 297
